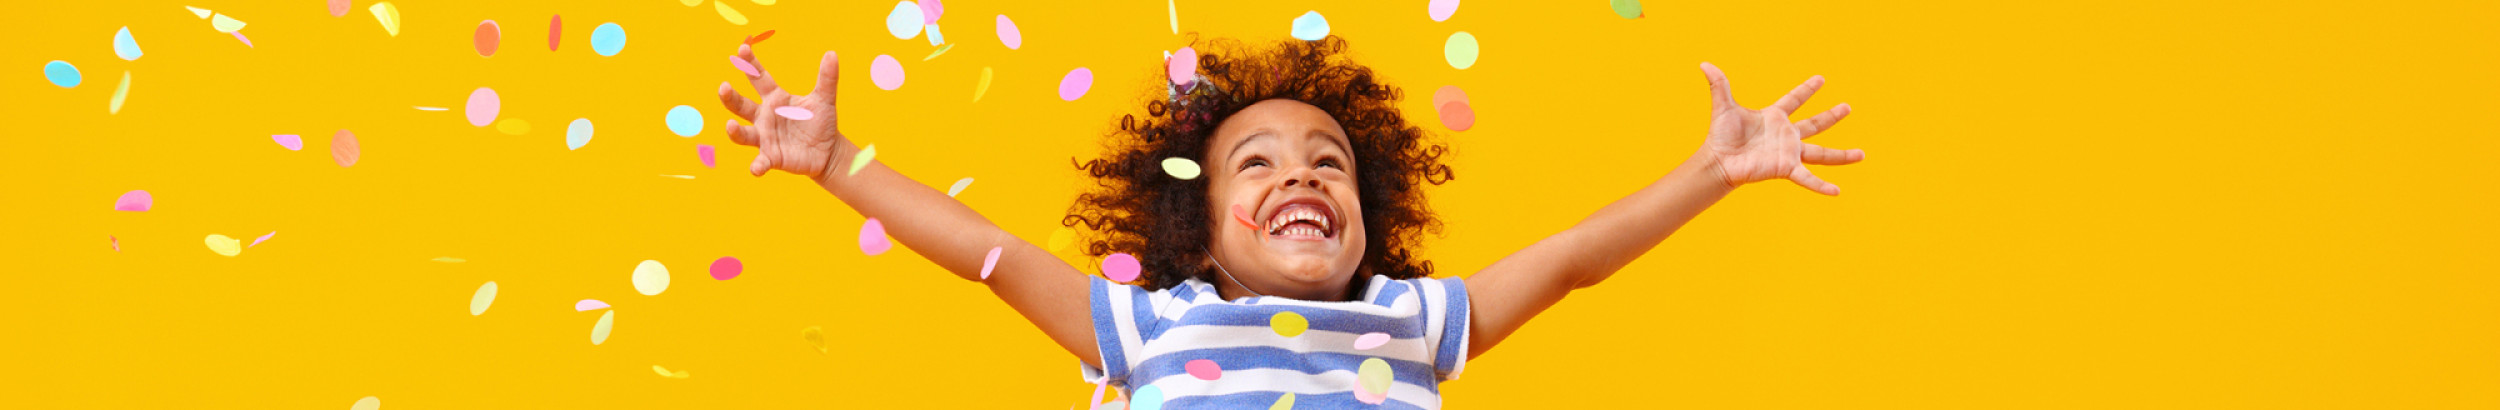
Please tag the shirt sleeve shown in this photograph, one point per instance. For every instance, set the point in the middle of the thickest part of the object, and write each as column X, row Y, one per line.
column 1446, row 302
column 1117, row 328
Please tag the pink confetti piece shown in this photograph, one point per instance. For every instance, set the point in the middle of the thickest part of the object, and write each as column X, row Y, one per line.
column 930, row 10
column 727, row 267
column 1182, row 68
column 872, row 238
column 589, row 305
column 1442, row 9
column 489, row 37
column 555, row 32
column 343, row 148
column 795, row 113
column 1370, row 397
column 292, row 142
column 135, row 201
column 1204, row 369
column 1007, row 33
column 990, row 263
column 704, row 152
column 1370, row 340
column 1458, row 116
column 247, row 41
column 263, row 237
column 1076, row 84
column 484, row 105
column 886, row 72
column 1120, row 267
column 1243, row 217
column 743, row 67
column 338, row 8
column 1446, row 94
column 1096, row 402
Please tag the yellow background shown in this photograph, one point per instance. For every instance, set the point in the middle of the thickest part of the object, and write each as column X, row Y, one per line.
column 2279, row 204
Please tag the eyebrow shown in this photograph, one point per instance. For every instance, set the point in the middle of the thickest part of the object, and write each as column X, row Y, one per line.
column 1244, row 141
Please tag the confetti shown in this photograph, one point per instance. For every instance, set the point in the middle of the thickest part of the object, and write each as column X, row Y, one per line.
column 262, row 238
column 727, row 267
column 704, row 152
column 1630, row 9
column 203, row 13
column 117, row 242
column 484, row 298
column 1097, row 400
column 1442, row 9
column 1288, row 324
column 983, row 87
column 872, row 238
column 690, row 3
column 940, row 51
column 223, row 245
column 1375, row 375
column 930, row 10
column 1061, row 238
column 861, row 161
column 680, row 374
column 684, row 120
column 794, row 113
column 238, row 36
column 1369, row 397
column 555, row 32
column 759, row 37
column 677, row 176
column 1182, row 68
column 343, row 148
column 1076, row 84
column 387, row 14
column 990, row 262
column 512, row 126
column 1146, row 398
column 1311, row 26
column 1204, row 369
column 599, row 332
column 959, row 187
column 815, row 336
column 1182, row 168
column 589, row 305
column 369, row 402
column 484, row 105
column 608, row 39
column 936, row 37
column 292, row 142
column 730, row 14
column 1460, row 50
column 905, row 21
column 1282, row 402
column 135, row 201
column 887, row 73
column 1120, row 267
column 224, row 24
column 1172, row 12
column 743, row 67
column 1458, row 116
column 650, row 278
column 125, row 47
column 1446, row 94
column 338, row 8
column 120, row 94
column 1007, row 33
column 577, row 134
column 1370, row 340
column 489, row 36
column 425, row 108
column 1243, row 217
column 61, row 73
column 447, row 259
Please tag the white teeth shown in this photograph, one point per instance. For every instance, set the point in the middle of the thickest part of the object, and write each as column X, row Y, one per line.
column 1280, row 221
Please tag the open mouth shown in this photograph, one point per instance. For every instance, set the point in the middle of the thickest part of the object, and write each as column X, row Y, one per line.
column 1303, row 218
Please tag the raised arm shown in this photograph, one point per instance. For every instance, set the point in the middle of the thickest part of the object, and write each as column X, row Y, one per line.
column 1743, row 146
column 1044, row 289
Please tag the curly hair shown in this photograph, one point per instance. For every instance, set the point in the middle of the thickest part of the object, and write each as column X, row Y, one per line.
column 1135, row 208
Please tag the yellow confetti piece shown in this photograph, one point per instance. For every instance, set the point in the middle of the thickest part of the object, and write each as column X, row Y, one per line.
column 664, row 372
column 203, row 13
column 815, row 336
column 1182, row 168
column 765, row 2
column 690, row 3
column 959, row 187
column 984, row 88
column 1289, row 324
column 865, row 155
column 225, row 24
column 223, row 245
column 484, row 298
column 677, row 176
column 448, row 259
column 367, row 403
column 1060, row 239
column 599, row 332
column 940, row 51
column 122, row 93
column 1173, row 11
column 387, row 14
column 727, row 13
column 1375, row 375
column 1282, row 403
column 512, row 126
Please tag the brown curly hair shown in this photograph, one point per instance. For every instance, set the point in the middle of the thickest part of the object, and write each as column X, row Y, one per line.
column 1136, row 208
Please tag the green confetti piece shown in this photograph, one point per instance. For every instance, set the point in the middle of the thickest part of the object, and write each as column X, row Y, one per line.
column 1460, row 50
column 1630, row 9
column 1182, row 168
column 865, row 155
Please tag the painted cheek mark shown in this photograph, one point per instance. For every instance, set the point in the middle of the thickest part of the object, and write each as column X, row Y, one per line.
column 1244, row 218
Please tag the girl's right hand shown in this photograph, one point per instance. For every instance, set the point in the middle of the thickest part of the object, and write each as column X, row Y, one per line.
column 805, row 147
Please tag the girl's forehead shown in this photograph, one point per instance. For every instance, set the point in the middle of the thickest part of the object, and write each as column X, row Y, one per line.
column 1277, row 122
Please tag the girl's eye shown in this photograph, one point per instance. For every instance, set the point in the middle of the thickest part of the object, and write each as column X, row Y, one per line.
column 1331, row 163
column 1253, row 163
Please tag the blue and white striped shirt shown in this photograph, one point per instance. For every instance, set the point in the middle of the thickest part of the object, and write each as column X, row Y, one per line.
column 1149, row 337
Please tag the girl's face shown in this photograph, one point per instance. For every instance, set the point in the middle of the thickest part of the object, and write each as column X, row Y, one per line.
column 1283, row 196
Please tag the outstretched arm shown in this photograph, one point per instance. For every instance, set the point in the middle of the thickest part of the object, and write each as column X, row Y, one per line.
column 1039, row 286
column 1743, row 146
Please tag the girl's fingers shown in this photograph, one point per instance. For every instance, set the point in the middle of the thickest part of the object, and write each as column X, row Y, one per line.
column 737, row 104
column 828, row 74
column 1798, row 96
column 1720, row 100
column 763, row 80
column 762, row 163
column 1807, row 179
column 1824, row 121
column 743, row 134
column 1818, row 155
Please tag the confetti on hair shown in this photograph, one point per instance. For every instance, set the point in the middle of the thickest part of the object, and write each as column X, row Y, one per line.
column 1182, row 67
column 1182, row 168
column 727, row 267
column 586, row 305
column 126, row 47
column 1288, row 324
column 599, row 332
column 872, row 238
column 223, row 245
column 650, row 277
column 484, row 298
column 484, row 105
column 135, row 201
column 1120, row 267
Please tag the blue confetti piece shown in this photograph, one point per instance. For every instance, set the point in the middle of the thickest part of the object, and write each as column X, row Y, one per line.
column 608, row 39
column 577, row 134
column 905, row 21
column 685, row 121
column 61, row 73
column 125, row 47
column 1310, row 26
column 1146, row 398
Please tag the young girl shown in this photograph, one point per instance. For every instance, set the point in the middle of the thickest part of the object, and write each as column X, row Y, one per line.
column 1286, row 274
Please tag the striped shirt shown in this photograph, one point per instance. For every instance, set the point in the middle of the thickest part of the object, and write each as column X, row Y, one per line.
column 1149, row 338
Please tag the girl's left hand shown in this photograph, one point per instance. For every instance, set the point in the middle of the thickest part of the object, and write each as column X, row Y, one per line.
column 1760, row 145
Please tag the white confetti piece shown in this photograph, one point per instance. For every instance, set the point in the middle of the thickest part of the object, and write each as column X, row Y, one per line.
column 599, row 332
column 484, row 298
column 223, row 245
column 959, row 187
column 650, row 277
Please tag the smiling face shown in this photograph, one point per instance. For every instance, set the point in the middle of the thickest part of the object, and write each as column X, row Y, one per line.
column 1281, row 190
